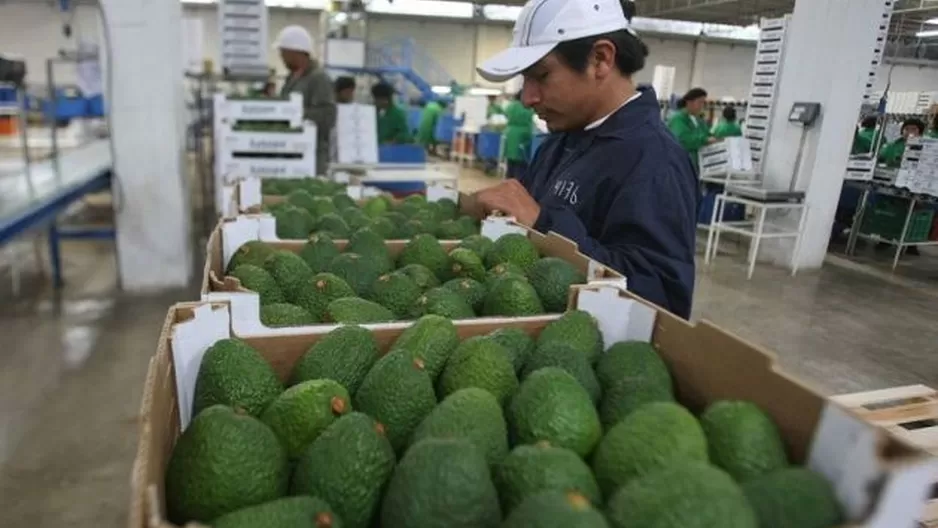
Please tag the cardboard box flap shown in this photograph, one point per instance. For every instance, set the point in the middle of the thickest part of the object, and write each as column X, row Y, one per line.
column 190, row 339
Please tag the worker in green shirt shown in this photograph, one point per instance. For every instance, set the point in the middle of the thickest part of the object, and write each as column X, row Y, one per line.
column 863, row 140
column 427, row 129
column 518, row 134
column 687, row 123
column 891, row 154
column 494, row 107
column 728, row 126
column 392, row 119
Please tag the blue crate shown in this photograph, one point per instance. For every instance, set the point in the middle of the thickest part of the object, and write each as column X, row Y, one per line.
column 488, row 145
column 96, row 106
column 65, row 108
column 446, row 128
column 401, row 154
column 731, row 212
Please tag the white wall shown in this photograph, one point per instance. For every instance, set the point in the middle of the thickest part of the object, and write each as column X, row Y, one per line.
column 34, row 31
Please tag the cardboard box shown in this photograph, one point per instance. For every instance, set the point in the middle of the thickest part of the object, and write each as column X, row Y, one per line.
column 231, row 234
column 881, row 480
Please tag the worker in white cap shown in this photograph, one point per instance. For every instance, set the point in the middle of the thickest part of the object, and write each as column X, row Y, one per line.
column 309, row 79
column 611, row 177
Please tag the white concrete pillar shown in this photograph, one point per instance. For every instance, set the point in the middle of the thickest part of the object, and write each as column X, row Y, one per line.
column 147, row 114
column 827, row 60
column 698, row 59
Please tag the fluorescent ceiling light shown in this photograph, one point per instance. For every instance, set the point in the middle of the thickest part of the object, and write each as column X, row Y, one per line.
column 927, row 34
column 428, row 8
column 932, row 21
column 484, row 91
column 441, row 90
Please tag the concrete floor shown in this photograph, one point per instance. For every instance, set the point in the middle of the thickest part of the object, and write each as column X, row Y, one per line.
column 72, row 367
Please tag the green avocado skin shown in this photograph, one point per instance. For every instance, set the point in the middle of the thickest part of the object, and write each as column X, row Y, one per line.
column 232, row 373
column 289, row 512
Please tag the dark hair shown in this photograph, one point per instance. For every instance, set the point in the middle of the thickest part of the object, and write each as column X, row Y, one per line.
column 918, row 123
column 729, row 113
column 382, row 90
column 630, row 50
column 868, row 122
column 344, row 83
column 693, row 94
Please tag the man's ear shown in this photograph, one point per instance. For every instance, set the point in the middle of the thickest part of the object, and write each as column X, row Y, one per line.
column 604, row 58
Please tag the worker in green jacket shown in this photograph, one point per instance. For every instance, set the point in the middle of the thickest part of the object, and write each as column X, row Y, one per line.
column 891, row 154
column 728, row 126
column 863, row 140
column 518, row 135
column 392, row 119
column 687, row 123
column 428, row 120
column 494, row 108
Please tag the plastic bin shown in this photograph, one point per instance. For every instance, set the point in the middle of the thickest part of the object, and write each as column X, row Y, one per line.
column 886, row 217
column 488, row 145
column 731, row 212
column 401, row 154
column 96, row 106
column 446, row 128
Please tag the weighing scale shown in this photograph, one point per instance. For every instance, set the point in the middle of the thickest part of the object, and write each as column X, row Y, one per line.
column 806, row 115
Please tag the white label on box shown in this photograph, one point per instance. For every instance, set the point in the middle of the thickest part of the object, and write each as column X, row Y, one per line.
column 190, row 339
column 495, row 227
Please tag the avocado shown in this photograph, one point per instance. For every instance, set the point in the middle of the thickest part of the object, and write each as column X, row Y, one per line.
column 253, row 252
column 319, row 252
column 552, row 278
column 353, row 310
column 441, row 483
column 397, row 220
column 343, row 201
column 426, row 251
column 505, row 269
column 375, row 207
column 293, row 223
column 345, row 355
column 448, row 208
column 514, row 248
column 272, row 186
column 322, row 207
column 289, row 512
column 532, row 469
column 479, row 362
column 384, row 227
column 629, row 394
column 302, row 412
column 555, row 509
column 300, row 198
column 333, row 224
column 562, row 355
column 355, row 219
column 685, row 495
column 472, row 414
column 224, row 461
column 232, row 373
column 579, row 330
column 463, row 263
column 552, row 406
column 443, row 302
column 369, row 244
column 348, row 467
column 517, row 343
column 282, row 315
column 743, row 440
column 431, row 338
column 629, row 360
column 256, row 279
column 512, row 298
column 315, row 294
column 478, row 244
column 652, row 437
column 473, row 292
column 793, row 498
column 289, row 270
column 358, row 271
column 398, row 393
column 396, row 292
column 449, row 230
column 421, row 275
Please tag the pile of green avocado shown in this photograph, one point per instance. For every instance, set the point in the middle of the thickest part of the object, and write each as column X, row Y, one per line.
column 319, row 206
column 513, row 429
column 364, row 284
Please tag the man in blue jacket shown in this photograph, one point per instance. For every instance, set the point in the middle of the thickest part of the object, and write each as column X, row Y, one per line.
column 610, row 177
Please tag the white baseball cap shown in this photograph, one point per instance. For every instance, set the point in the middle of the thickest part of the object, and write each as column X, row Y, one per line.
column 295, row 38
column 543, row 24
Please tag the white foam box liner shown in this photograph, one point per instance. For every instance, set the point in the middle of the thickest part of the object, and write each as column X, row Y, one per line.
column 880, row 480
column 231, row 234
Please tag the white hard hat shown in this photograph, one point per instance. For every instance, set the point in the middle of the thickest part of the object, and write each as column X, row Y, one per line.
column 295, row 38
column 542, row 24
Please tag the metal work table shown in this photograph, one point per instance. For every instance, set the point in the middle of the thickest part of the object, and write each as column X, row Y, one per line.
column 34, row 196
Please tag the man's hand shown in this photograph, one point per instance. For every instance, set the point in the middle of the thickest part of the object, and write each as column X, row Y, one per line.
column 510, row 198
